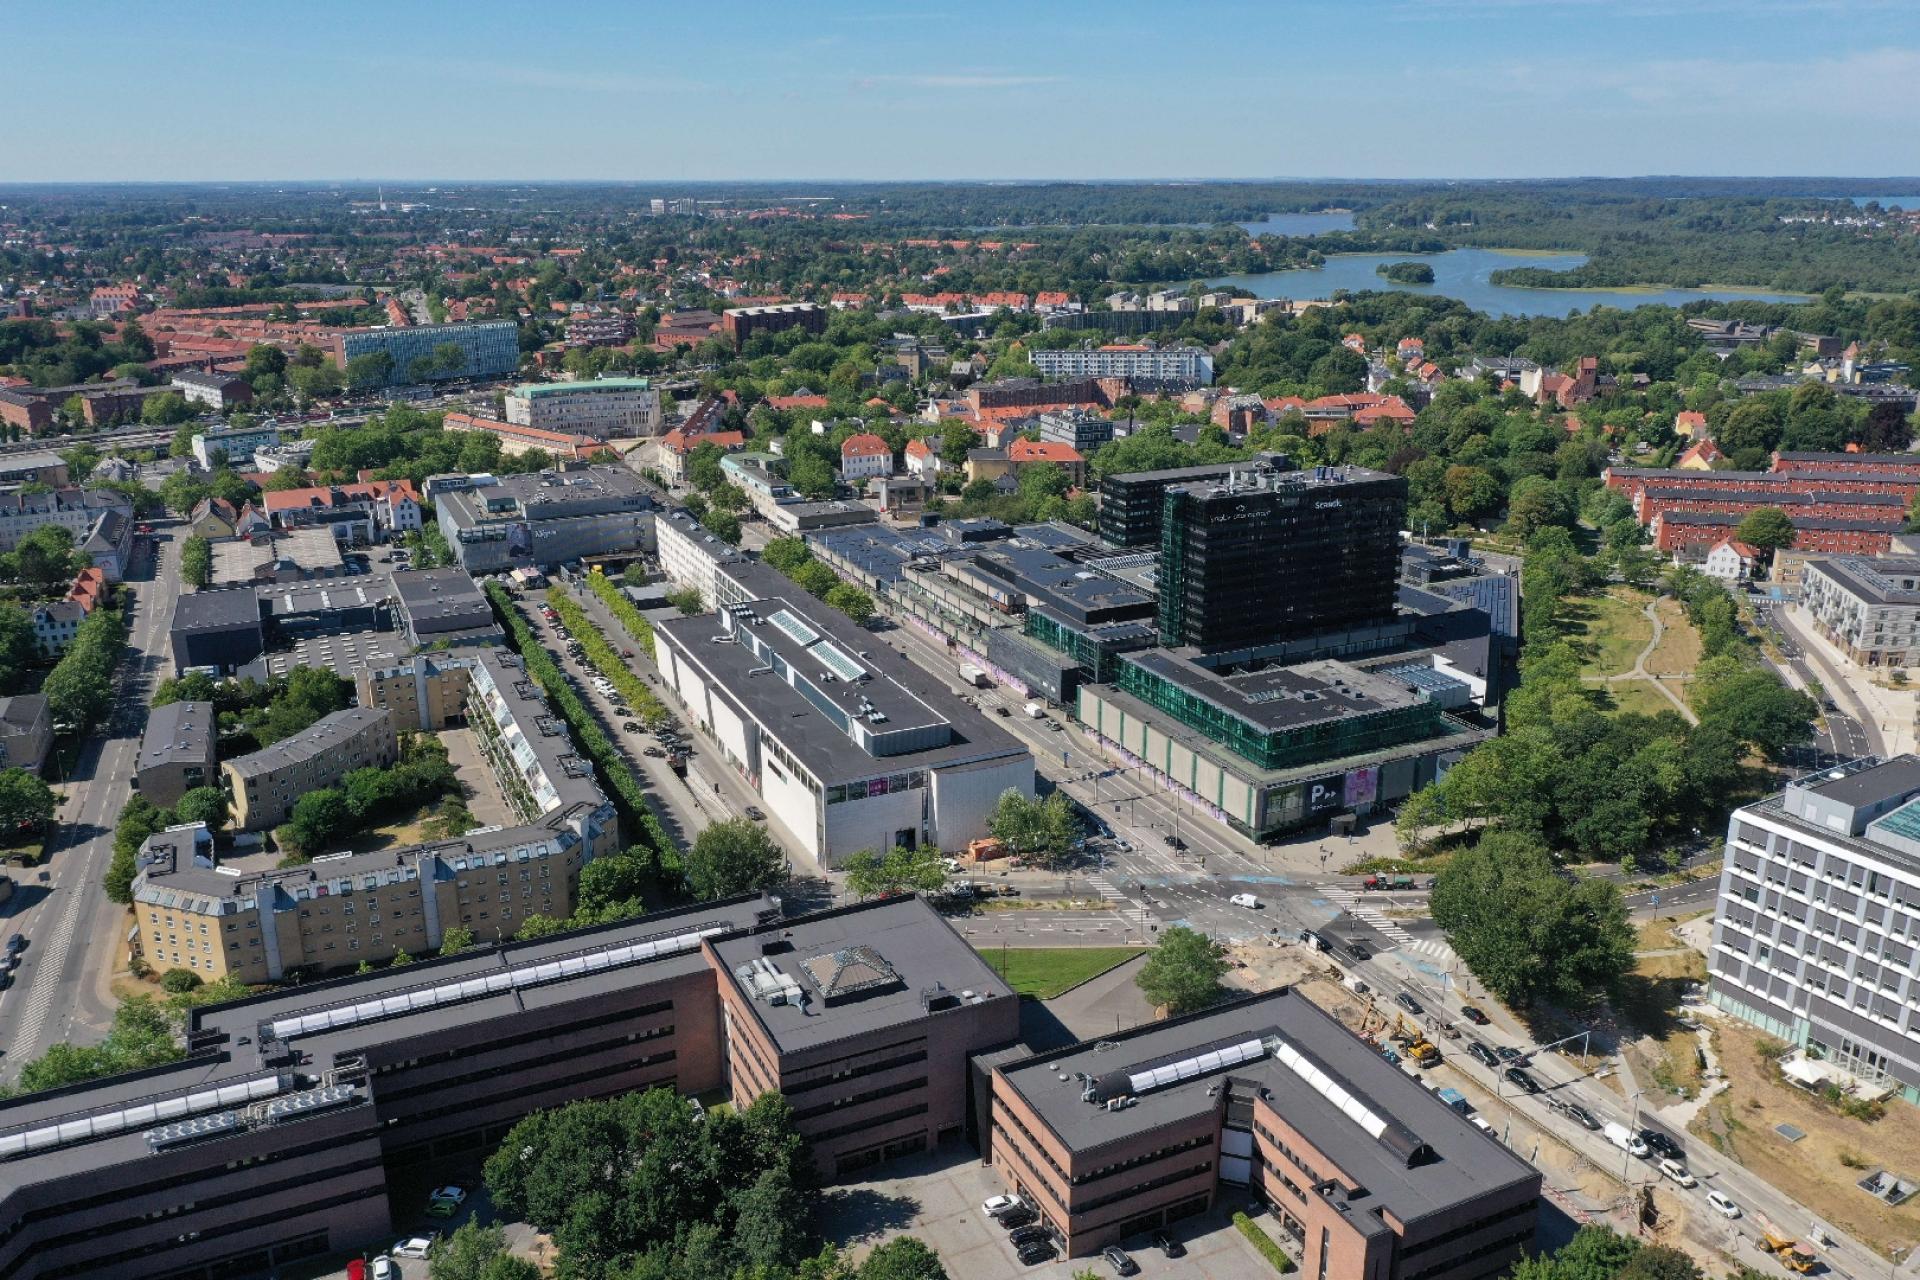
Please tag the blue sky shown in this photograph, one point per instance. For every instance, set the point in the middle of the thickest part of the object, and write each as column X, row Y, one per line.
column 981, row 89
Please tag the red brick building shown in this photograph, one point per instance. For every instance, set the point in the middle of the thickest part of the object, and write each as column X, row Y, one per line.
column 743, row 323
column 1691, row 534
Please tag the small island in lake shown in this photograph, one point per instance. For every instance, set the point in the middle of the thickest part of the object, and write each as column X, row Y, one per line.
column 1406, row 272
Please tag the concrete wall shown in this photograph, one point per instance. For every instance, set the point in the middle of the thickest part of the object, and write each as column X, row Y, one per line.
column 963, row 797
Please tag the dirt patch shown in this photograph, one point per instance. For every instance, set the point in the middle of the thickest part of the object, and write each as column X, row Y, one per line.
column 1740, row 1123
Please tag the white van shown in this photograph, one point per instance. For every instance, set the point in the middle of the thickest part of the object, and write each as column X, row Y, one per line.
column 1678, row 1173
column 1357, row 984
column 1625, row 1139
column 1246, row 900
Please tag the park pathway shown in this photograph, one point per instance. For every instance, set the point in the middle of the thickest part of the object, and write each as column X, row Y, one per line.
column 1640, row 672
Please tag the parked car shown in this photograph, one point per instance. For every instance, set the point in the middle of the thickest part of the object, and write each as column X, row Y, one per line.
column 1028, row 1234
column 632, row 726
column 1660, row 1144
column 753, row 811
column 1482, row 1054
column 384, row 1268
column 1509, row 1054
column 455, row 1194
column 654, row 753
column 16, row 943
column 1723, row 1205
column 1117, row 1259
column 1676, row 1171
column 1168, row 1245
column 1518, row 1076
column 1583, row 1117
column 1408, row 1003
column 1473, row 1015
column 1625, row 1139
column 413, row 1247
column 1018, row 1216
column 1032, row 1255
column 993, row 1206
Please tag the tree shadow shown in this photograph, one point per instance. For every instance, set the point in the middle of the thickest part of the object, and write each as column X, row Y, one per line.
column 857, row 1214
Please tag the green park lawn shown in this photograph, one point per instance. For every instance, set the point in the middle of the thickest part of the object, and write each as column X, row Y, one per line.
column 1612, row 629
column 1045, row 972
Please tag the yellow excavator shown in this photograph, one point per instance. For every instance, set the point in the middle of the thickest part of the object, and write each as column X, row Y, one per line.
column 1794, row 1255
column 1415, row 1042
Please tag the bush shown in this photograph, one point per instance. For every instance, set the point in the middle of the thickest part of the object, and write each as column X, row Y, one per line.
column 609, row 765
column 179, row 981
column 1263, row 1243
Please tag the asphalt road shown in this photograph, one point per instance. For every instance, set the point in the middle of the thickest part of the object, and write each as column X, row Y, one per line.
column 1846, row 731
column 73, row 931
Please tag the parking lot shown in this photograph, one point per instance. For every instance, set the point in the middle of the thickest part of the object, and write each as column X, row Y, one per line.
column 936, row 1197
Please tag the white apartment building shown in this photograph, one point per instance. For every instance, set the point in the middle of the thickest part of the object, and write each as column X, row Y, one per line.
column 601, row 408
column 1817, row 926
column 1868, row 605
column 1188, row 366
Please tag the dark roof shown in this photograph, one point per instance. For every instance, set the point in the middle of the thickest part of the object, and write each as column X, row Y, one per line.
column 216, row 610
column 1898, row 776
column 1282, row 698
column 437, row 599
column 178, row 733
column 1427, row 1160
column 1892, row 524
column 862, row 968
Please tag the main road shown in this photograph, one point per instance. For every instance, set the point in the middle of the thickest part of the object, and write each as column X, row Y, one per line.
column 75, row 935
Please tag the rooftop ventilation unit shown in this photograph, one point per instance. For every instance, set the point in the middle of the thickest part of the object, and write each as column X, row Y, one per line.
column 77, row 1129
column 517, row 978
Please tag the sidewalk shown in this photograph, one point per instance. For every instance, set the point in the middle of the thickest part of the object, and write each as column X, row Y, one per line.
column 1889, row 713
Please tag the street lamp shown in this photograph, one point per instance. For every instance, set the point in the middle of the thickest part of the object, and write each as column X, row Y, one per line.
column 1633, row 1128
column 1893, row 1256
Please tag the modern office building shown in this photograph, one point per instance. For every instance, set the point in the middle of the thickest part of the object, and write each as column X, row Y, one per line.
column 821, row 722
column 1078, row 429
column 1275, row 748
column 541, row 518
column 600, row 408
column 863, row 1018
column 1130, row 504
column 267, row 783
column 743, row 324
column 1869, row 606
column 217, row 630
column 1162, row 368
column 1815, row 927
column 236, row 444
column 490, row 349
column 1264, row 556
column 216, row 391
column 443, row 608
column 690, row 555
column 177, row 752
column 1266, row 1097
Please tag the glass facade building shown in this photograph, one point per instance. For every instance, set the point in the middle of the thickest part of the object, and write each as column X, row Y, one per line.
column 1263, row 557
column 491, row 348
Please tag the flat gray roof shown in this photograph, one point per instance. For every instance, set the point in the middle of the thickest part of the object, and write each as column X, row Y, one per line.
column 441, row 599
column 1282, row 698
column 901, row 690
column 342, row 654
column 216, row 610
column 1874, row 578
column 1461, row 1163
column 322, row 736
column 1897, row 776
column 832, row 957
column 178, row 733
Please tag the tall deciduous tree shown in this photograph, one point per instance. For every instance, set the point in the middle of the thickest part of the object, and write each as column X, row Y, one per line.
column 1532, row 935
column 1184, row 971
column 737, row 856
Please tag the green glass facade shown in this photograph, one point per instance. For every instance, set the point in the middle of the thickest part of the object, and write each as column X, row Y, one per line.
column 1331, row 739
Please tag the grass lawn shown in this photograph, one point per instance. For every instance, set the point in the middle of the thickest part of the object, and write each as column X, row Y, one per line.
column 1678, row 652
column 1612, row 630
column 1044, row 972
column 1637, row 696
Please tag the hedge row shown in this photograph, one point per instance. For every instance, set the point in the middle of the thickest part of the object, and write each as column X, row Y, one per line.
column 606, row 659
column 622, row 609
column 625, row 791
column 1263, row 1242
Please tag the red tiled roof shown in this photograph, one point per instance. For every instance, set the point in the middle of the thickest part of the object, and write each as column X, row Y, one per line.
column 796, row 402
column 865, row 444
column 1042, row 451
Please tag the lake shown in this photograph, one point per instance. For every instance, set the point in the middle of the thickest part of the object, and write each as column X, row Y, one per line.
column 1887, row 202
column 1462, row 274
column 1300, row 224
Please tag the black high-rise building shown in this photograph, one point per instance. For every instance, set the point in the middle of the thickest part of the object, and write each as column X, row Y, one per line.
column 1130, row 504
column 1260, row 557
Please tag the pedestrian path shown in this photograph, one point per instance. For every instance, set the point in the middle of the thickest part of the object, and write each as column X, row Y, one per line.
column 1356, row 906
column 1120, row 902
